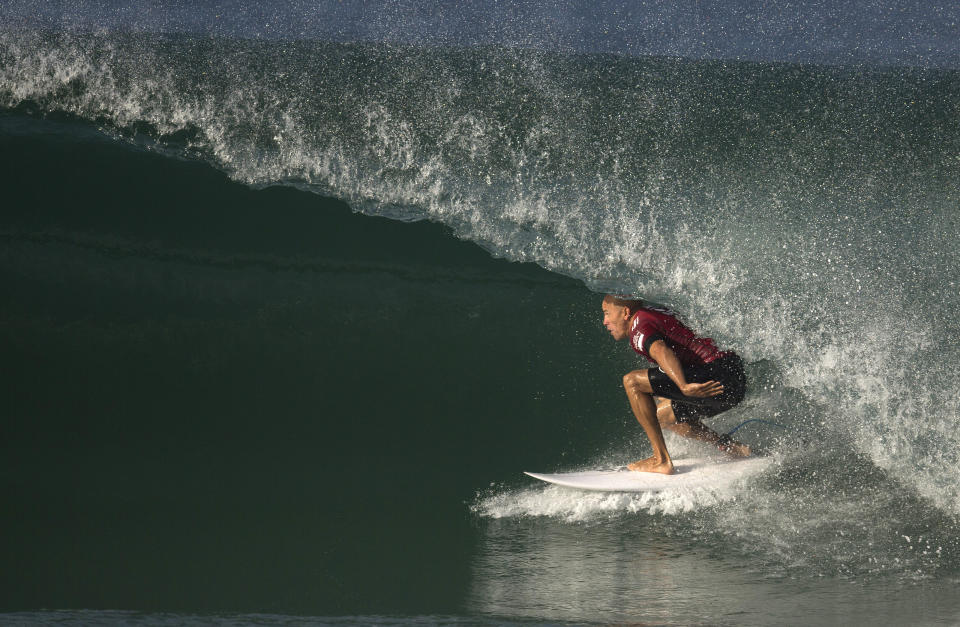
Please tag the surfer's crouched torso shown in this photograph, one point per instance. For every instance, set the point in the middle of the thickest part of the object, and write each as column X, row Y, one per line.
column 701, row 361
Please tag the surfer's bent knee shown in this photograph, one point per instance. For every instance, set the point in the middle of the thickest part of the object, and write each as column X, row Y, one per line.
column 636, row 379
column 665, row 414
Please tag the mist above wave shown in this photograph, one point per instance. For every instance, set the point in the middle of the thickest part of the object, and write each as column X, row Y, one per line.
column 876, row 32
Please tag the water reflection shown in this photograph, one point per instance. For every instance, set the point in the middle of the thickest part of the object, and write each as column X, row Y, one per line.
column 636, row 570
column 551, row 570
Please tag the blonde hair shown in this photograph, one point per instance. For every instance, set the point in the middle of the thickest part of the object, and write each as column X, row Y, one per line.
column 623, row 300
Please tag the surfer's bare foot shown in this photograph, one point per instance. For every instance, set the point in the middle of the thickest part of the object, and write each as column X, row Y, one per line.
column 733, row 448
column 652, row 464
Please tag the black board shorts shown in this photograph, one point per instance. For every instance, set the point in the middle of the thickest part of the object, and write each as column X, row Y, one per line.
column 727, row 370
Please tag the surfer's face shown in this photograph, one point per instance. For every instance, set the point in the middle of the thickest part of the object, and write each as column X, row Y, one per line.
column 617, row 320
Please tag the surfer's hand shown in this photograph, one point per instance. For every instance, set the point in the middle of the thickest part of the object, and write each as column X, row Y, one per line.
column 702, row 390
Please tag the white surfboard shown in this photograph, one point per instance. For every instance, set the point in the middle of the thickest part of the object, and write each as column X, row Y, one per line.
column 688, row 473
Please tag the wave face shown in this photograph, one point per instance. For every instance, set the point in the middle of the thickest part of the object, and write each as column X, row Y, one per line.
column 805, row 215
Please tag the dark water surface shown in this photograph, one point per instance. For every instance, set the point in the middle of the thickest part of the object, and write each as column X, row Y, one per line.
column 208, row 408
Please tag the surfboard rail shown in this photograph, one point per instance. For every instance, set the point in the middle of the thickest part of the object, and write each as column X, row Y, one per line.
column 688, row 473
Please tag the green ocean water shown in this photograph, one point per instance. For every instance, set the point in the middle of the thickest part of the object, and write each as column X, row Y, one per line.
column 202, row 409
column 212, row 412
column 283, row 323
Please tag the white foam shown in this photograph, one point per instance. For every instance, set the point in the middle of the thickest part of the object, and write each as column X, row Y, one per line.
column 576, row 505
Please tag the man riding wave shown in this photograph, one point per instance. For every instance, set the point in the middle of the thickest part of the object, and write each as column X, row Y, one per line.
column 693, row 379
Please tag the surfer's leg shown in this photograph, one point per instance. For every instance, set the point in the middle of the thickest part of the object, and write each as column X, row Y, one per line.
column 695, row 429
column 639, row 393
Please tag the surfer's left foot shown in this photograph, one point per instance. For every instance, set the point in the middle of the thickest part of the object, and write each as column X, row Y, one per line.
column 733, row 448
column 652, row 464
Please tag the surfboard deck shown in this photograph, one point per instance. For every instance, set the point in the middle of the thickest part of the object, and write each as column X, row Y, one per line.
column 692, row 472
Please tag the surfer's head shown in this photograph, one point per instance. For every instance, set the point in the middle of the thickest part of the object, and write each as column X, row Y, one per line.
column 617, row 311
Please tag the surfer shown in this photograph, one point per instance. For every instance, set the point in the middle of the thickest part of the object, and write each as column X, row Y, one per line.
column 694, row 379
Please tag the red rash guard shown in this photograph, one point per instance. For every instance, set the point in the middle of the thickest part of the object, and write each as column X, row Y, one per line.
column 650, row 324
